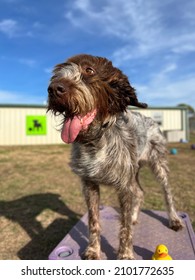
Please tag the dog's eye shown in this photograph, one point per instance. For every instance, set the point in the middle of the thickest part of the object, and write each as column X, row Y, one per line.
column 90, row 71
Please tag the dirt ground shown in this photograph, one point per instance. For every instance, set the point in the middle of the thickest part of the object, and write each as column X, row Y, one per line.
column 41, row 199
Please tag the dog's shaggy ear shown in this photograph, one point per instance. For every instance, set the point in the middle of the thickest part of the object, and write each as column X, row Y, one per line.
column 125, row 91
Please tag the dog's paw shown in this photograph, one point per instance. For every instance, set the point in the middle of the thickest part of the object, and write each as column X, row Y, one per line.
column 91, row 254
column 125, row 255
column 176, row 224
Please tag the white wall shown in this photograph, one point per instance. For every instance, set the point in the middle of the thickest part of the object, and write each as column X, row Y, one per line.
column 13, row 123
column 13, row 127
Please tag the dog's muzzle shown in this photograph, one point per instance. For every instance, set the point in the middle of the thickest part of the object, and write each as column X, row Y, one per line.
column 57, row 89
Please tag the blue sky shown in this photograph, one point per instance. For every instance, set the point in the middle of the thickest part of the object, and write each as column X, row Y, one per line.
column 151, row 41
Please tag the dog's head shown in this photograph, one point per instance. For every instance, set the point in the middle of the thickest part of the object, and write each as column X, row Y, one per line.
column 85, row 88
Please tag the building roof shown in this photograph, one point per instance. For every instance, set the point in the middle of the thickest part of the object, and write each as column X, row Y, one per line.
column 130, row 107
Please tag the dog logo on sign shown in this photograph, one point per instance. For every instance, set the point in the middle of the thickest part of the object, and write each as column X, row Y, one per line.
column 35, row 125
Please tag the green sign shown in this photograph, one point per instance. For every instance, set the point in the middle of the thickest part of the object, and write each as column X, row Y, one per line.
column 36, row 125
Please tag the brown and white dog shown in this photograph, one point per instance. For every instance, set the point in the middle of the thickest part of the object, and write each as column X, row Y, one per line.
column 109, row 143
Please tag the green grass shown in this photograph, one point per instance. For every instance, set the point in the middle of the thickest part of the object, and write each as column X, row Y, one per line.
column 41, row 199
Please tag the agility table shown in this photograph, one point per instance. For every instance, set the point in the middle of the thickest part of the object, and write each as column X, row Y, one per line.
column 152, row 229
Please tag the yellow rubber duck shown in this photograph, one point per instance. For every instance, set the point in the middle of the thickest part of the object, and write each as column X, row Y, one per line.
column 161, row 253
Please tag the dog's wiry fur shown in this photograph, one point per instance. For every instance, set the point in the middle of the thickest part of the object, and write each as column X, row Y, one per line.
column 113, row 147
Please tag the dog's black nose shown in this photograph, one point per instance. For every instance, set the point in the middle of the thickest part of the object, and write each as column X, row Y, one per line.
column 56, row 89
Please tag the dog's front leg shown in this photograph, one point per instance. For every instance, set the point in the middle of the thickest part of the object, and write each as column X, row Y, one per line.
column 91, row 193
column 125, row 251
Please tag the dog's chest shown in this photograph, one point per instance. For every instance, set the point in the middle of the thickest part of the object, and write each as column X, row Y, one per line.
column 107, row 163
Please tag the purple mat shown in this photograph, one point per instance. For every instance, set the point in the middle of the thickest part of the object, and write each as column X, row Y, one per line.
column 151, row 230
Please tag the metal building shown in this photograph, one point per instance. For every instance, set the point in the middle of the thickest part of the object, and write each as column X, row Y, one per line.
column 30, row 124
column 27, row 125
column 173, row 121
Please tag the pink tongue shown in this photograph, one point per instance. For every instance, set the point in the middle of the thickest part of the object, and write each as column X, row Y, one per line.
column 72, row 127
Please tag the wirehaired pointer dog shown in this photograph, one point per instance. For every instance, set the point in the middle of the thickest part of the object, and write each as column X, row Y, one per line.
column 110, row 143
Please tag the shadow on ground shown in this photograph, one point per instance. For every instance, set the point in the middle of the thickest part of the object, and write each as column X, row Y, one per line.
column 43, row 240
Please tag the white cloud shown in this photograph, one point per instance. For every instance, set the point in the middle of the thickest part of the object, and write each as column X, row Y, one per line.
column 12, row 97
column 143, row 27
column 134, row 18
column 106, row 19
column 38, row 25
column 185, row 43
column 9, row 27
column 30, row 62
column 164, row 91
column 12, row 28
column 169, row 68
column 7, row 96
column 48, row 70
column 163, row 75
column 165, row 88
column 82, row 4
column 27, row 61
